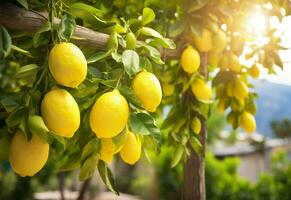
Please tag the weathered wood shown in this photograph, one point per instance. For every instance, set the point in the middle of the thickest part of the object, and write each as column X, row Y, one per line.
column 15, row 18
column 194, row 168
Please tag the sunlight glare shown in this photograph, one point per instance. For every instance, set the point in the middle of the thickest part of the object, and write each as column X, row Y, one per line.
column 257, row 23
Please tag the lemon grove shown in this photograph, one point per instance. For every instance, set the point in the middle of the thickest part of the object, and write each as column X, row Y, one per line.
column 63, row 96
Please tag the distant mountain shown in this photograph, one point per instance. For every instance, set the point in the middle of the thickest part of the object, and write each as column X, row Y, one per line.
column 274, row 102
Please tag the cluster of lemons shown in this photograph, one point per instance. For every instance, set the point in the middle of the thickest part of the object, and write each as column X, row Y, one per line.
column 215, row 44
column 60, row 112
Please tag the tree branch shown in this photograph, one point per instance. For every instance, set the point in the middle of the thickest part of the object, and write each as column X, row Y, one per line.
column 15, row 18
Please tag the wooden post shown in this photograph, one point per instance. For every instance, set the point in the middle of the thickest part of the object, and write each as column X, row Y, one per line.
column 194, row 168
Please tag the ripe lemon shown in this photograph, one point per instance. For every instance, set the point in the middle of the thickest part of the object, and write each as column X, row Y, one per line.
column 254, row 71
column 67, row 64
column 190, row 60
column 148, row 90
column 213, row 58
column 223, row 62
column 241, row 89
column 27, row 157
column 234, row 64
column 168, row 89
column 131, row 150
column 109, row 115
column 201, row 90
column 219, row 41
column 248, row 122
column 107, row 150
column 60, row 112
column 196, row 125
column 230, row 89
column 204, row 42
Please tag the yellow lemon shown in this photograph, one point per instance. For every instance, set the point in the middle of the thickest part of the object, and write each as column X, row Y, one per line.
column 196, row 125
column 27, row 157
column 168, row 89
column 60, row 112
column 241, row 89
column 220, row 106
column 224, row 62
column 107, row 150
column 204, row 42
column 131, row 150
column 109, row 115
column 234, row 64
column 190, row 60
column 219, row 41
column 213, row 58
column 148, row 90
column 230, row 89
column 248, row 122
column 254, row 71
column 67, row 64
column 201, row 90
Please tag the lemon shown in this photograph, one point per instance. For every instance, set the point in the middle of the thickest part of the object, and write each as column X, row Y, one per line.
column 231, row 118
column 219, row 41
column 248, row 122
column 213, row 58
column 27, row 157
column 223, row 62
column 220, row 106
column 230, row 89
column 201, row 90
column 196, row 125
column 107, row 150
column 130, row 41
column 241, row 89
column 234, row 64
column 148, row 90
column 254, row 71
column 67, row 64
column 204, row 42
column 60, row 112
column 168, row 89
column 109, row 115
column 131, row 150
column 190, row 60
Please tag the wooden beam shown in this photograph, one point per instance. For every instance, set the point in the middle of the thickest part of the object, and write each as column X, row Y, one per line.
column 15, row 18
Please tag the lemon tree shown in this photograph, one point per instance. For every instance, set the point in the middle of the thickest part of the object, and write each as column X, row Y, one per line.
column 86, row 80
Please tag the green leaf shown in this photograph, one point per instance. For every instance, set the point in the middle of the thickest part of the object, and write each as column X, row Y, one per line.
column 107, row 177
column 129, row 95
column 164, row 42
column 148, row 16
column 15, row 117
column 88, row 167
column 20, row 50
column 98, row 56
column 177, row 156
column 90, row 148
column 153, row 53
column 23, row 3
column 195, row 144
column 144, row 124
column 37, row 126
column 26, row 71
column 40, row 36
column 146, row 64
column 10, row 102
column 150, row 32
column 5, row 43
column 130, row 60
column 72, row 163
column 196, row 29
column 67, row 27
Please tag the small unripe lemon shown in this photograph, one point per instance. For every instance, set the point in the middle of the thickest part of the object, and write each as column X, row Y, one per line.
column 248, row 122
column 60, row 112
column 201, row 90
column 196, row 125
column 109, row 115
column 67, row 64
column 131, row 150
column 219, row 41
column 190, row 60
column 27, row 157
column 204, row 42
column 241, row 89
column 234, row 64
column 148, row 90
column 168, row 89
column 107, row 150
column 254, row 71
column 130, row 41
